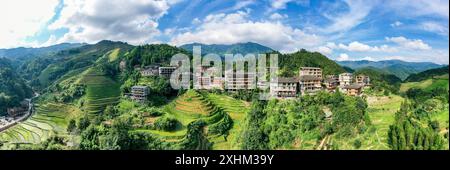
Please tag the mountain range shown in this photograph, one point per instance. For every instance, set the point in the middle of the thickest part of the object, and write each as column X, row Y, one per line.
column 22, row 53
column 221, row 49
column 399, row 68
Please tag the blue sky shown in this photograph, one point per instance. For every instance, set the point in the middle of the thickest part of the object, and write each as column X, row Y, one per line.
column 411, row 30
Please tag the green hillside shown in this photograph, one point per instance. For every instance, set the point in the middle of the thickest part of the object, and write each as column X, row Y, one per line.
column 239, row 48
column 49, row 119
column 381, row 80
column 427, row 74
column 401, row 69
column 151, row 54
column 221, row 115
column 13, row 89
column 290, row 63
column 43, row 71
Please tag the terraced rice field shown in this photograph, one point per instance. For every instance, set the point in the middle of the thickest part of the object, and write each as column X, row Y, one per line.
column 237, row 110
column 48, row 119
column 429, row 84
column 193, row 106
column 101, row 91
column 381, row 111
column 113, row 55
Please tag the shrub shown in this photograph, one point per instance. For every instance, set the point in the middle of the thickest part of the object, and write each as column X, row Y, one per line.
column 357, row 144
column 167, row 124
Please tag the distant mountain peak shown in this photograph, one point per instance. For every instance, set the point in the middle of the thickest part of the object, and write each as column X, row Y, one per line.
column 243, row 48
column 399, row 68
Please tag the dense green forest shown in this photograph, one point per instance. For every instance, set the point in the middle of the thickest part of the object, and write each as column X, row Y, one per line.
column 280, row 124
column 152, row 54
column 427, row 74
column 381, row 81
column 290, row 63
column 13, row 89
column 242, row 48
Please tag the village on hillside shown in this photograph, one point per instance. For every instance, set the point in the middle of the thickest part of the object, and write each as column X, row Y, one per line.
column 309, row 81
column 16, row 114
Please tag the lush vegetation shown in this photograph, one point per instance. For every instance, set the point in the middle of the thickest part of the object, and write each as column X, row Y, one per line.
column 400, row 69
column 306, row 123
column 381, row 82
column 13, row 89
column 422, row 121
column 239, row 48
column 290, row 63
column 151, row 54
column 427, row 74
column 81, row 107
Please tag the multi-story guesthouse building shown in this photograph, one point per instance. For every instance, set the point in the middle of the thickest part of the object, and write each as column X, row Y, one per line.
column 345, row 79
column 353, row 90
column 235, row 81
column 206, row 79
column 331, row 82
column 310, row 80
column 284, row 88
column 362, row 80
column 152, row 70
column 139, row 93
column 310, row 84
column 166, row 71
column 315, row 71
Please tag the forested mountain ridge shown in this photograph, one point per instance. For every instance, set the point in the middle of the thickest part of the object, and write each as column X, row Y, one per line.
column 144, row 55
column 427, row 74
column 221, row 49
column 13, row 88
column 42, row 71
column 401, row 69
column 290, row 63
column 22, row 54
column 381, row 80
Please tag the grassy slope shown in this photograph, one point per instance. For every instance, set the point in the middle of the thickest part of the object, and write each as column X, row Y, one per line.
column 237, row 110
column 49, row 118
column 438, row 81
column 101, row 90
column 54, row 117
column 190, row 107
column 381, row 111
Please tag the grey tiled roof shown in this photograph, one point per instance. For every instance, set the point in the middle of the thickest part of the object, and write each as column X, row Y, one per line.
column 309, row 78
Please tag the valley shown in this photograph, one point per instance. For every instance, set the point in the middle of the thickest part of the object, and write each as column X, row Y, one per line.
column 87, row 103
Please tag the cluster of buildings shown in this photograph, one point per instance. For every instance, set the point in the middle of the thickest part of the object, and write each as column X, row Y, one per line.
column 19, row 110
column 157, row 70
column 310, row 80
column 15, row 115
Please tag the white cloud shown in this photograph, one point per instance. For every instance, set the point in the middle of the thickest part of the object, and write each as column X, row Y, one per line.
column 368, row 58
column 358, row 10
column 396, row 24
column 435, row 8
column 343, row 57
column 196, row 21
column 356, row 46
column 243, row 4
column 281, row 4
column 23, row 18
column 221, row 29
column 434, row 27
column 324, row 50
column 93, row 20
column 408, row 43
column 278, row 16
